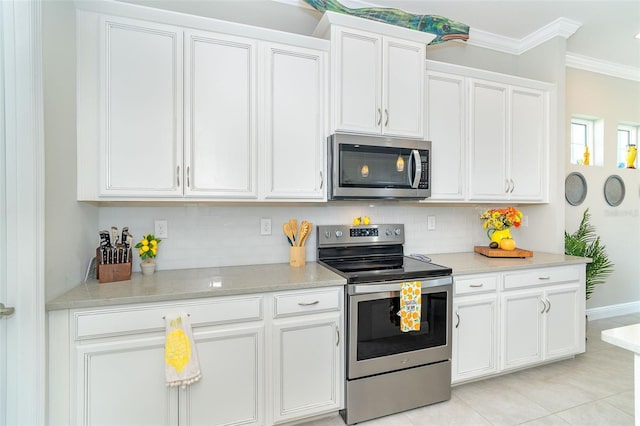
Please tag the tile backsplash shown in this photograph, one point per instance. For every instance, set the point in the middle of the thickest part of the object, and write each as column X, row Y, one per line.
column 222, row 235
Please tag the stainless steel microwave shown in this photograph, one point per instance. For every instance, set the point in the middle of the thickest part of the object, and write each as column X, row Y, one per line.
column 372, row 167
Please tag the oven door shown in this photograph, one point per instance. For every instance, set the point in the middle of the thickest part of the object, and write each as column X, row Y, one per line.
column 375, row 342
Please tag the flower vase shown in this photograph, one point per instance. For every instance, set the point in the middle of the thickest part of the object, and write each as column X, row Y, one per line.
column 148, row 267
column 498, row 234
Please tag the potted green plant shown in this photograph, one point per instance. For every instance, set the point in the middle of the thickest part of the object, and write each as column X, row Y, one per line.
column 585, row 243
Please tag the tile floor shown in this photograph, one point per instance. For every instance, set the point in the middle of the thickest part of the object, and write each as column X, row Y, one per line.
column 594, row 388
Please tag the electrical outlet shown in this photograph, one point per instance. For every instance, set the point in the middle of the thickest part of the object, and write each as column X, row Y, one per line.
column 525, row 221
column 431, row 223
column 265, row 226
column 161, row 229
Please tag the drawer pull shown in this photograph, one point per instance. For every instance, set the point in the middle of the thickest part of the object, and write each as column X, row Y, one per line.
column 338, row 336
column 544, row 278
column 476, row 285
column 308, row 303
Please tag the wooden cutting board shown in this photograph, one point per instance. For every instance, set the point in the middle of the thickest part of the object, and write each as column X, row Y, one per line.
column 497, row 252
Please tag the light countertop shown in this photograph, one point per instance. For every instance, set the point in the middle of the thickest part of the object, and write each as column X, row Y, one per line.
column 246, row 279
column 474, row 263
column 627, row 337
column 195, row 283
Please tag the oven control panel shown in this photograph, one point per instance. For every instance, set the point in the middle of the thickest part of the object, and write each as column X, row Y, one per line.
column 339, row 235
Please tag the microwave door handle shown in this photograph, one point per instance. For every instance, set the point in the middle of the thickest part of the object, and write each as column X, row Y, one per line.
column 417, row 162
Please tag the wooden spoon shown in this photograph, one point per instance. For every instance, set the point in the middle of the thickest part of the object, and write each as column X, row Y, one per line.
column 293, row 225
column 287, row 231
column 305, row 230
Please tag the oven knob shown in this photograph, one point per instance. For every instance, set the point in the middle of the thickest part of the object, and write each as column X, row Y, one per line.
column 327, row 234
column 387, row 232
column 398, row 232
column 338, row 234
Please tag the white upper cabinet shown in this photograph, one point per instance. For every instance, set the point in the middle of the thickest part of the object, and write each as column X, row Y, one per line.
column 489, row 134
column 508, row 139
column 446, row 130
column 220, row 115
column 488, row 140
column 294, row 122
column 174, row 112
column 140, row 116
column 378, row 83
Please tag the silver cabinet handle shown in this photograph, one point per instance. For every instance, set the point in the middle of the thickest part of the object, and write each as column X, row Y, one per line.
column 476, row 285
column 549, row 308
column 506, row 186
column 513, row 186
column 178, row 175
column 338, row 336
column 321, row 180
column 5, row 312
column 309, row 303
column 379, row 116
column 544, row 278
column 457, row 323
column 544, row 307
column 188, row 176
column 386, row 122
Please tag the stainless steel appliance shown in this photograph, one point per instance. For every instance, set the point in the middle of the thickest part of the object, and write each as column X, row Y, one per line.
column 388, row 370
column 371, row 167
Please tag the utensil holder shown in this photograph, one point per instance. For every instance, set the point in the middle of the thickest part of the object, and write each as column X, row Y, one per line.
column 107, row 273
column 297, row 256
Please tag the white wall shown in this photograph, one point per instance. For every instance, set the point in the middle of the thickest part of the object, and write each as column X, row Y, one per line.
column 69, row 225
column 612, row 100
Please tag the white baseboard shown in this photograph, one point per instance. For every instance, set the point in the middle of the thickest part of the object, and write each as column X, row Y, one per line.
column 613, row 310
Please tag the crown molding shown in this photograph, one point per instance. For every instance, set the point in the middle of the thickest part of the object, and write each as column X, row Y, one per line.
column 561, row 27
column 587, row 63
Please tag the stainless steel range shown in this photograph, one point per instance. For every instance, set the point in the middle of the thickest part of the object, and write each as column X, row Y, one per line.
column 389, row 370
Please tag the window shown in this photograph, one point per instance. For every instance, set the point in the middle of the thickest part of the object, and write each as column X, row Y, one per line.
column 581, row 141
column 627, row 146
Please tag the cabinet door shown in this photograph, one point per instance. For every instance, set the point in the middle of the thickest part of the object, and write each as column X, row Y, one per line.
column 521, row 328
column 488, row 141
column 446, row 131
column 230, row 391
column 563, row 323
column 306, row 367
column 528, row 141
column 356, row 59
column 122, row 382
column 403, row 88
column 474, row 337
column 221, row 116
column 294, row 123
column 140, row 108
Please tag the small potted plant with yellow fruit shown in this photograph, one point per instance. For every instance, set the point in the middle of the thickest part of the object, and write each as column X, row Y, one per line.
column 148, row 249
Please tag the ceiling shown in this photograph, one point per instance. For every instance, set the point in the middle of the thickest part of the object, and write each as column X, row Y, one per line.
column 599, row 30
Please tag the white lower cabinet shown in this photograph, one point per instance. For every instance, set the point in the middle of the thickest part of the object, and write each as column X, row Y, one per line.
column 517, row 319
column 307, row 342
column 107, row 364
column 475, row 327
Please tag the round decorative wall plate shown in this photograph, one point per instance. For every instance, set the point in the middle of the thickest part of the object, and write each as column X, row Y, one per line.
column 575, row 188
column 614, row 190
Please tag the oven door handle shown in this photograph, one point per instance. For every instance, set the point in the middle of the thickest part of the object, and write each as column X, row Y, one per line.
column 396, row 286
column 417, row 162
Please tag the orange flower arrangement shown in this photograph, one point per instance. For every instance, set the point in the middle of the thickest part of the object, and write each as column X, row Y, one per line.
column 501, row 218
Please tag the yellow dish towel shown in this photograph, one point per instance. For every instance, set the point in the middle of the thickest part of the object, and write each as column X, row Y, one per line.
column 181, row 359
column 410, row 306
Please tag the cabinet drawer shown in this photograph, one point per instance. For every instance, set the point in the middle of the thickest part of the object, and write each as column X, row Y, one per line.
column 475, row 284
column 299, row 303
column 145, row 318
column 543, row 276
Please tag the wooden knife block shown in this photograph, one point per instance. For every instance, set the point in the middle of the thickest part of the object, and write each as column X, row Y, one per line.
column 107, row 273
